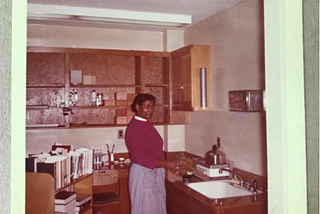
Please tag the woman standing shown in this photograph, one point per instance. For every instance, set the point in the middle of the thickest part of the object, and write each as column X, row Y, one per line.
column 146, row 176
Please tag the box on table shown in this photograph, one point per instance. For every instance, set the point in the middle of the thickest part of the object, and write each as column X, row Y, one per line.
column 109, row 102
column 121, row 112
column 121, row 102
column 121, row 119
column 89, row 80
column 120, row 96
column 131, row 96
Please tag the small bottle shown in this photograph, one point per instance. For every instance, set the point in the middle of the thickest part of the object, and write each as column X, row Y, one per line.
column 100, row 156
column 93, row 98
column 94, row 157
column 101, row 99
column 98, row 99
column 58, row 101
column 111, row 158
column 75, row 96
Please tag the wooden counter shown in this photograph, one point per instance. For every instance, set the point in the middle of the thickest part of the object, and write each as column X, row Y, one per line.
column 183, row 200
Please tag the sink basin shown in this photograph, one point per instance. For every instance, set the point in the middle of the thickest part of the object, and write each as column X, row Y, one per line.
column 219, row 189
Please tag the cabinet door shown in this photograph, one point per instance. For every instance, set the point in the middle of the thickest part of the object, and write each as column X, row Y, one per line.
column 181, row 83
column 176, row 70
column 185, row 82
column 45, row 86
column 181, row 202
column 46, row 69
column 186, row 64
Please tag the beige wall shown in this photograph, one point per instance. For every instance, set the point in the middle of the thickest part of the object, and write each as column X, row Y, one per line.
column 42, row 140
column 173, row 40
column 236, row 37
column 80, row 37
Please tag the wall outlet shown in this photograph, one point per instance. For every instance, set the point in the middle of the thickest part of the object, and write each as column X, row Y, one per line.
column 218, row 142
column 120, row 133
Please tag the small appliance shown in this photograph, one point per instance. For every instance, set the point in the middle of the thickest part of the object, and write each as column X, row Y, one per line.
column 208, row 167
column 207, row 172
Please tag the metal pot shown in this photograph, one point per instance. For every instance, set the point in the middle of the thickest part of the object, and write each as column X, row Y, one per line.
column 215, row 156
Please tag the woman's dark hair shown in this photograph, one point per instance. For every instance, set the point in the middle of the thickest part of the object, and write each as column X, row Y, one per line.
column 141, row 98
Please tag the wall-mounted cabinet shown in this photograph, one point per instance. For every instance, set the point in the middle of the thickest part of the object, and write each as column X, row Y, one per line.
column 186, row 64
column 107, row 72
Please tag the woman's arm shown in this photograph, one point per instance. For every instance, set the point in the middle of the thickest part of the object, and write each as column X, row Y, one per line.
column 169, row 164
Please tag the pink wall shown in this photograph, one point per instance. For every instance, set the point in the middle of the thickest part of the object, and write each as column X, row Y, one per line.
column 236, row 37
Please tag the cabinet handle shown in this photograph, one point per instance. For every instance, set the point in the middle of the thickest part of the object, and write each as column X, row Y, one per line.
column 181, row 87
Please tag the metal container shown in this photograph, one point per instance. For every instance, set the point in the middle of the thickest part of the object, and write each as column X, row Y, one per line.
column 246, row 100
column 215, row 156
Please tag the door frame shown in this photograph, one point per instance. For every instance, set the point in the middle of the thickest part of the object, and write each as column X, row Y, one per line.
column 284, row 104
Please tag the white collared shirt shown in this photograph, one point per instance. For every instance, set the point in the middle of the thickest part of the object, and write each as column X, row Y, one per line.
column 140, row 118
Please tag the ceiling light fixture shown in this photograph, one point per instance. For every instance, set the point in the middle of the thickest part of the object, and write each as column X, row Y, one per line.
column 55, row 12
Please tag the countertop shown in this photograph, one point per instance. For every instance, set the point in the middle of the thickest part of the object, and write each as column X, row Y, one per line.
column 259, row 200
column 252, row 200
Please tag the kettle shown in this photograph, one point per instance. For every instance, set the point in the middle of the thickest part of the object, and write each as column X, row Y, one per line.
column 215, row 156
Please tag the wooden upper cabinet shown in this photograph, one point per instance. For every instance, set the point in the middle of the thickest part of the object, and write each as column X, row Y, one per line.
column 185, row 77
column 51, row 87
column 45, row 69
column 107, row 69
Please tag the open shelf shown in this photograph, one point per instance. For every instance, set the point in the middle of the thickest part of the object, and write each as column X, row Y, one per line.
column 46, row 86
column 102, row 86
column 108, row 72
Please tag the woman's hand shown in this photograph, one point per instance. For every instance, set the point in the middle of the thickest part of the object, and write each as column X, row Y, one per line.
column 169, row 164
column 172, row 165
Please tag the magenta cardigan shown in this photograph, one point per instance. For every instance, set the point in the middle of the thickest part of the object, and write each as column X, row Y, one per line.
column 144, row 143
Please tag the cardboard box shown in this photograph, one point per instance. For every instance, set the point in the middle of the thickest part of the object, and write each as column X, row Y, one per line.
column 89, row 80
column 129, row 102
column 120, row 96
column 109, row 102
column 121, row 119
column 121, row 102
column 121, row 112
column 131, row 96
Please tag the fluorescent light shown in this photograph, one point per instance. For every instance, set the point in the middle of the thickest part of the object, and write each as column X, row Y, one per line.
column 128, row 21
column 39, row 11
column 48, row 16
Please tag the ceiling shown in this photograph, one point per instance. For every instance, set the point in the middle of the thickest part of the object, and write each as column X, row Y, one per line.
column 199, row 10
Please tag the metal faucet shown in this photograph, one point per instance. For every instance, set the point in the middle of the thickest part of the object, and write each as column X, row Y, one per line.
column 235, row 175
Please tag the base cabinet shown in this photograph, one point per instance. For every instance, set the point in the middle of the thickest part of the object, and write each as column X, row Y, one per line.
column 181, row 200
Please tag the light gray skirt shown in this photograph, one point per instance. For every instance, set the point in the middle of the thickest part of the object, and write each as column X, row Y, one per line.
column 147, row 190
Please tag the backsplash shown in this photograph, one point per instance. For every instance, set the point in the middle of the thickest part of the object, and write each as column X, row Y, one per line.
column 41, row 140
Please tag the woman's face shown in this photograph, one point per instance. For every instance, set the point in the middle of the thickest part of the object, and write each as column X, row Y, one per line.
column 145, row 110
